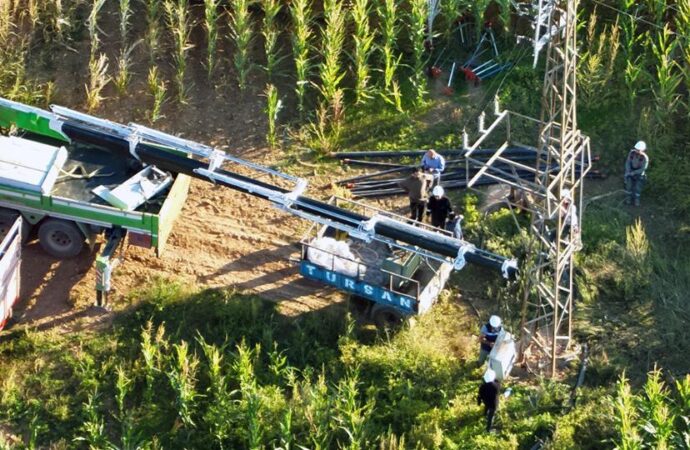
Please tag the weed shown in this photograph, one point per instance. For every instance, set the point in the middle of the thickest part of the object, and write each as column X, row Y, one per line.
column 183, row 379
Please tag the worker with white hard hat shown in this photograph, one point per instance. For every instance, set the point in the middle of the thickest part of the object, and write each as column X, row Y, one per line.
column 487, row 337
column 635, row 172
column 439, row 207
column 488, row 394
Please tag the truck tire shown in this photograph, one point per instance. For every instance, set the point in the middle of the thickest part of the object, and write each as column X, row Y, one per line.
column 387, row 317
column 60, row 238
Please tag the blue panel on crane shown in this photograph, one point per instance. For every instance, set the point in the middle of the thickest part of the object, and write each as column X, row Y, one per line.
column 378, row 294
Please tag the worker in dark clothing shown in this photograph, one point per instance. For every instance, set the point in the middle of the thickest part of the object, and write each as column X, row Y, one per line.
column 488, row 395
column 417, row 188
column 488, row 335
column 439, row 207
column 635, row 172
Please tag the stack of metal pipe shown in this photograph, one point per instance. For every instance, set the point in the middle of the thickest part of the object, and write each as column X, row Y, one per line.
column 388, row 168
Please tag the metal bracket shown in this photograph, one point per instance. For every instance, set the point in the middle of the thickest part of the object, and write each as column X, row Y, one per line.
column 215, row 159
column 507, row 265
column 459, row 261
column 366, row 229
column 134, row 139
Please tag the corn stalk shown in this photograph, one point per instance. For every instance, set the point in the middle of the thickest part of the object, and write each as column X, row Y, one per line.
column 98, row 79
column 182, row 378
column 180, row 26
column 153, row 26
column 388, row 14
column 683, row 29
column 451, row 11
column 273, row 107
column 363, row 47
column 668, row 74
column 301, row 13
column 241, row 33
column 157, row 89
column 211, row 16
column 270, row 33
column 333, row 38
column 92, row 25
column 251, row 400
column 417, row 32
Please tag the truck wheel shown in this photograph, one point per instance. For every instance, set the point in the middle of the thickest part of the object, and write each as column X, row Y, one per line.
column 387, row 317
column 60, row 238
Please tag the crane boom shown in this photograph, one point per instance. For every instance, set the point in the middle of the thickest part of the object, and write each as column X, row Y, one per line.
column 169, row 153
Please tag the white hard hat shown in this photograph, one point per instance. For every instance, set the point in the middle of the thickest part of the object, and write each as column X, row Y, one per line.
column 567, row 194
column 641, row 146
column 495, row 321
column 489, row 376
column 438, row 191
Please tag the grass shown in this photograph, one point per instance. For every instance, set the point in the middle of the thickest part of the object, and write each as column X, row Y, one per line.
column 213, row 369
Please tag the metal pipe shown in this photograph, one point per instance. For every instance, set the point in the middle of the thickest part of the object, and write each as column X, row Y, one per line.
column 516, row 151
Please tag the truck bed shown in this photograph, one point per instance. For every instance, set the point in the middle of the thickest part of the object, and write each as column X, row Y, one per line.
column 92, row 166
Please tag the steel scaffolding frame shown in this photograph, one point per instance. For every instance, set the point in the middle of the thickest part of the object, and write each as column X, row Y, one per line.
column 564, row 159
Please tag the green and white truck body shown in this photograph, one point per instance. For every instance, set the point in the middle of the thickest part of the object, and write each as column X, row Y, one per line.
column 61, row 181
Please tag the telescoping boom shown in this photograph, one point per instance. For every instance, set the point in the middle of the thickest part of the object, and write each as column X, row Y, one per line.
column 168, row 153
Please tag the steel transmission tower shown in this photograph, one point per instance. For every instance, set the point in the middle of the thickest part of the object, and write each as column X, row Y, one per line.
column 563, row 161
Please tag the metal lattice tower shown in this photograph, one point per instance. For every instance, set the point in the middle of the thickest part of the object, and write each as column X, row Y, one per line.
column 563, row 159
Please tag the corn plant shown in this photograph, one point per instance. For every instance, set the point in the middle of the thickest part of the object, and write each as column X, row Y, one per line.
column 157, row 89
column 301, row 13
column 221, row 403
column 150, row 344
column 251, row 400
column 180, row 26
column 211, row 16
column 241, row 33
column 153, row 26
column 7, row 25
column 683, row 29
column 183, row 380
column 92, row 25
column 93, row 427
column 270, row 33
column 318, row 411
column 417, row 33
column 124, row 69
column 125, row 11
column 331, row 70
column 350, row 413
column 273, row 107
column 32, row 12
column 668, row 74
column 98, row 79
column 363, row 40
column 658, row 412
column 451, row 12
column 51, row 14
column 388, row 16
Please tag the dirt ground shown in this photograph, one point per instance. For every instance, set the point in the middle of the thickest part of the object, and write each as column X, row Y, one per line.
column 223, row 238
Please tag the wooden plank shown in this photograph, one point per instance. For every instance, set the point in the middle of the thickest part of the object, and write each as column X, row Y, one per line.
column 171, row 209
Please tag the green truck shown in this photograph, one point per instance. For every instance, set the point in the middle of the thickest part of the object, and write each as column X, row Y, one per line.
column 68, row 193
